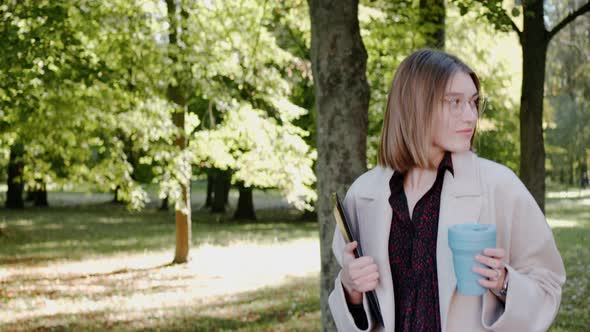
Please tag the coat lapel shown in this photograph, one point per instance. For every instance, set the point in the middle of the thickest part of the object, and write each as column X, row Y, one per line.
column 374, row 209
column 460, row 203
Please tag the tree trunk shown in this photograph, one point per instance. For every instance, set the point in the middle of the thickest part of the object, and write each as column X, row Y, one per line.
column 116, row 198
column 532, row 148
column 221, row 187
column 16, row 186
column 164, row 205
column 432, row 15
column 30, row 196
column 176, row 95
column 245, row 208
column 40, row 195
column 210, row 182
column 183, row 211
column 339, row 63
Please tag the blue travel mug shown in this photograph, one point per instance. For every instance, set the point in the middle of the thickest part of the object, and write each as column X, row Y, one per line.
column 466, row 241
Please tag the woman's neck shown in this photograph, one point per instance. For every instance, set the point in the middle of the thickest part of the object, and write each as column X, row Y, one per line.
column 419, row 178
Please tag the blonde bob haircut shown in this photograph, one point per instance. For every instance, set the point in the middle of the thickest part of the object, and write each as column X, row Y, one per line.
column 417, row 92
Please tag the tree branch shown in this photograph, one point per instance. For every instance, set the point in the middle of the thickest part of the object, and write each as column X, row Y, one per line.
column 513, row 25
column 572, row 16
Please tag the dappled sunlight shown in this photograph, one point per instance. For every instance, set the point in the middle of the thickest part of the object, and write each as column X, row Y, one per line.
column 563, row 223
column 124, row 287
column 54, row 226
column 112, row 221
column 569, row 193
column 22, row 222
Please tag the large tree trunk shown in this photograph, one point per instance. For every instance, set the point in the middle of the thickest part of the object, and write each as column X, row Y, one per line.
column 245, row 208
column 175, row 94
column 16, row 186
column 532, row 148
column 432, row 15
column 342, row 99
column 534, row 40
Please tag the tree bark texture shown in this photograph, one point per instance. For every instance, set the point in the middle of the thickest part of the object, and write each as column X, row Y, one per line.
column 339, row 61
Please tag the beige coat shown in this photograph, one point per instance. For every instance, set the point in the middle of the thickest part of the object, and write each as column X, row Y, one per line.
column 480, row 192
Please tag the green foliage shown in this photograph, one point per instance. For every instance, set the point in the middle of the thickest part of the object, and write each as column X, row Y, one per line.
column 83, row 85
column 493, row 11
column 262, row 152
column 74, row 97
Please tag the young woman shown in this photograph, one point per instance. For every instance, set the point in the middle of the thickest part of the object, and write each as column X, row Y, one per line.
column 427, row 180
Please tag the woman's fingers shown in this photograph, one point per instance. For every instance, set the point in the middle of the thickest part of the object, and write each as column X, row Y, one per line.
column 492, row 258
column 361, row 262
column 495, row 252
column 488, row 273
column 489, row 261
column 368, row 282
column 349, row 248
column 490, row 284
column 357, row 273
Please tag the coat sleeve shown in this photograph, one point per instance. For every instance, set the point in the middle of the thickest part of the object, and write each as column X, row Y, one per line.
column 535, row 268
column 337, row 300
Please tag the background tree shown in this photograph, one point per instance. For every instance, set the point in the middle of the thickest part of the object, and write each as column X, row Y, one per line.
column 176, row 14
column 534, row 39
column 248, row 88
column 568, row 102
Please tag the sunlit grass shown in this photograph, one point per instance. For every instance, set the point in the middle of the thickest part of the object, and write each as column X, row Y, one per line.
column 124, row 288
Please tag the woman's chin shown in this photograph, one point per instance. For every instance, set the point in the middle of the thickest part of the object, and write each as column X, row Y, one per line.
column 458, row 148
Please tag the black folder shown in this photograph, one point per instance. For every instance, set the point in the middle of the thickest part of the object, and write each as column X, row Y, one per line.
column 343, row 223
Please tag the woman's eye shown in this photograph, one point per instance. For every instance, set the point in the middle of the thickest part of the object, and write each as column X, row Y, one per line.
column 456, row 101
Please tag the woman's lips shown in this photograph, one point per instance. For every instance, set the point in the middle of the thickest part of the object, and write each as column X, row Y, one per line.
column 465, row 132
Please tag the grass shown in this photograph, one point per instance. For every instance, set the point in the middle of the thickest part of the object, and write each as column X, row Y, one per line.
column 36, row 236
column 99, row 267
column 569, row 215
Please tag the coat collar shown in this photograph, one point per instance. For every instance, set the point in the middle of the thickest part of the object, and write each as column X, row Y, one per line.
column 465, row 181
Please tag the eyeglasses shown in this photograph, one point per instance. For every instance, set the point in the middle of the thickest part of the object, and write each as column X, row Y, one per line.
column 457, row 105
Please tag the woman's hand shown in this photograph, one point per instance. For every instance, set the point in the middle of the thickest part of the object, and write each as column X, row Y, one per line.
column 358, row 275
column 496, row 272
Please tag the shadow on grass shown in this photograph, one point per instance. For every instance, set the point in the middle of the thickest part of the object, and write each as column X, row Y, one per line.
column 292, row 306
column 37, row 236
